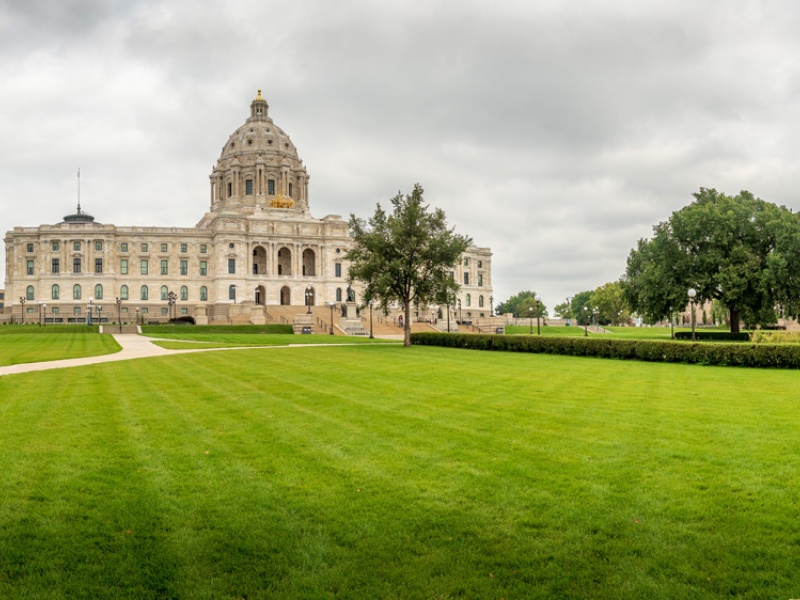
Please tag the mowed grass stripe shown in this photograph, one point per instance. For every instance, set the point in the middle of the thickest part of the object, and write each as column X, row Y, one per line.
column 386, row 472
column 27, row 348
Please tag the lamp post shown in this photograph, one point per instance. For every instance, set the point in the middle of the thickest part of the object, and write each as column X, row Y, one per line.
column 491, row 306
column 309, row 295
column 172, row 300
column 460, row 318
column 597, row 317
column 99, row 310
column 530, row 315
column 137, row 315
column 448, row 313
column 119, row 313
column 538, row 313
column 372, row 337
column 331, row 304
column 89, row 312
column 44, row 320
column 671, row 324
column 585, row 321
column 22, row 303
column 692, row 294
column 40, row 313
column 569, row 309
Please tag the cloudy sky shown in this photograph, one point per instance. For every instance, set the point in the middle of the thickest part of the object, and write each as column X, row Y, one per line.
column 557, row 133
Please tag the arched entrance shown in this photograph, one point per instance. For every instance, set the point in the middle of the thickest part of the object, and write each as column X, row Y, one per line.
column 259, row 261
column 284, row 261
column 261, row 295
column 309, row 260
column 286, row 296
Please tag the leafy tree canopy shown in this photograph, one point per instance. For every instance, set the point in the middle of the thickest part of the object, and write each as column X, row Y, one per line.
column 739, row 250
column 520, row 305
column 405, row 256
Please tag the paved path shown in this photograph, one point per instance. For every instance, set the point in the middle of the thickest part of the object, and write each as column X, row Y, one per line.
column 133, row 346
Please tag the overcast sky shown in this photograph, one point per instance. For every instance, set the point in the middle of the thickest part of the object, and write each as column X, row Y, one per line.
column 556, row 133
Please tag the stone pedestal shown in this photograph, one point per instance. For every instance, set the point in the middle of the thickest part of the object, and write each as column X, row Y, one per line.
column 200, row 315
column 303, row 323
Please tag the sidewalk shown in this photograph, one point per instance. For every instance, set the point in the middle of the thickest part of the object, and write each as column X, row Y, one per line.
column 133, row 346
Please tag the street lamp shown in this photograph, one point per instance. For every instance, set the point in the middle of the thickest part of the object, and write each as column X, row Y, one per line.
column 89, row 312
column 119, row 313
column 460, row 317
column 309, row 295
column 597, row 317
column 530, row 314
column 569, row 309
column 22, row 302
column 99, row 310
column 172, row 300
column 671, row 324
column 491, row 306
column 331, row 304
column 372, row 337
column 137, row 315
column 40, row 313
column 538, row 313
column 585, row 321
column 44, row 308
column 692, row 294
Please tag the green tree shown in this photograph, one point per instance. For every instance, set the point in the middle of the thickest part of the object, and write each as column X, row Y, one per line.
column 405, row 256
column 520, row 305
column 739, row 250
column 581, row 301
column 610, row 302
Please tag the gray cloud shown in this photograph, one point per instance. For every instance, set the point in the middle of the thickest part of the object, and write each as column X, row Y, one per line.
column 555, row 133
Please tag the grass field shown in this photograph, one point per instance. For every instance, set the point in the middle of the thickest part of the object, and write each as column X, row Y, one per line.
column 17, row 348
column 384, row 472
column 184, row 340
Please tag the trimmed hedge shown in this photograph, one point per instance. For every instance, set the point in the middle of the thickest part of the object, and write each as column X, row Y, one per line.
column 717, row 336
column 723, row 354
column 254, row 329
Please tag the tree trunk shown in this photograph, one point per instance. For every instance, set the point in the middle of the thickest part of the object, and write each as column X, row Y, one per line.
column 407, row 324
column 734, row 315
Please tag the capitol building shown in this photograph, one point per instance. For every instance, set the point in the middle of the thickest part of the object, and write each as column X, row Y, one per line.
column 256, row 247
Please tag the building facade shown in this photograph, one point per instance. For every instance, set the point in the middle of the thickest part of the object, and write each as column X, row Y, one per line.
column 257, row 245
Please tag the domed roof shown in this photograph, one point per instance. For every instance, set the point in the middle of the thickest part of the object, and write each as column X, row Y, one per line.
column 259, row 136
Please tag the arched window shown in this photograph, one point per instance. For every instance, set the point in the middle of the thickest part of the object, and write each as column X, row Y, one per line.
column 143, row 293
column 55, row 292
column 203, row 294
column 184, row 293
column 164, row 292
column 98, row 292
column 76, row 292
column 29, row 293
column 480, row 301
column 338, row 294
column 123, row 292
column 468, row 300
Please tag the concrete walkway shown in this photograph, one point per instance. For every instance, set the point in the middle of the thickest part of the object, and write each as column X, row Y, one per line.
column 133, row 346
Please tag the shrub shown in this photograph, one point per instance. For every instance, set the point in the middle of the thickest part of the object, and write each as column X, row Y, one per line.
column 723, row 354
column 718, row 336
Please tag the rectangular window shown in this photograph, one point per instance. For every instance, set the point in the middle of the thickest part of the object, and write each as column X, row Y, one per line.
column 184, row 311
column 337, row 268
column 98, row 265
column 290, row 190
column 466, row 278
column 29, row 247
column 203, row 268
column 452, row 275
column 143, row 266
column 123, row 266
column 164, row 267
column 203, row 249
column 123, row 247
column 184, row 267
column 271, row 187
column 232, row 266
column 55, row 246
column 248, row 187
column 184, row 248
column 76, row 265
column 98, row 246
column 164, row 311
column 466, row 262
column 480, row 264
column 76, row 246
column 163, row 247
column 29, row 267
column 480, row 279
column 144, row 247
column 55, row 265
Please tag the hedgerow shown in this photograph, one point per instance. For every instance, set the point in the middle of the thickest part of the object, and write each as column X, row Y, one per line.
column 723, row 354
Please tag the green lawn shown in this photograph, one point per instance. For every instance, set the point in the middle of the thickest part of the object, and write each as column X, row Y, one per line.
column 384, row 472
column 17, row 348
column 188, row 339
